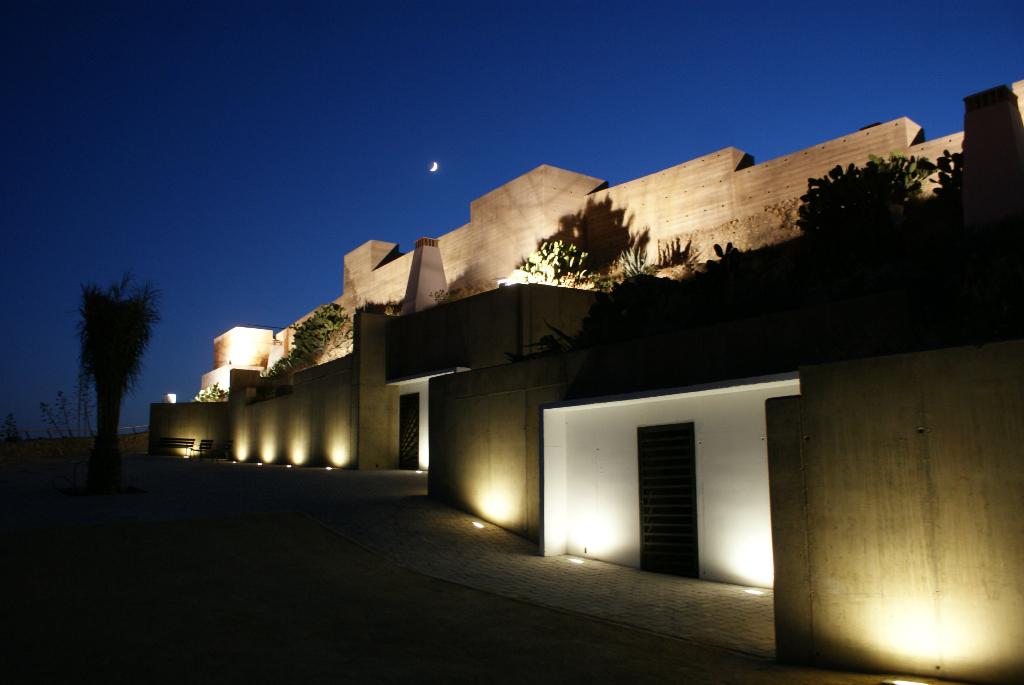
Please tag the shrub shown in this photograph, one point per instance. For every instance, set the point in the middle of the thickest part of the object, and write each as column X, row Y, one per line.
column 868, row 198
column 324, row 335
column 11, row 429
column 555, row 263
column 633, row 262
column 214, row 393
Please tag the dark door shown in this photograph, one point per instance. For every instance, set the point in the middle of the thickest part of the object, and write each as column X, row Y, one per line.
column 668, row 499
column 409, row 431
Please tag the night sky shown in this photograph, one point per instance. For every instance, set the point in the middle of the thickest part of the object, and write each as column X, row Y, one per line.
column 232, row 153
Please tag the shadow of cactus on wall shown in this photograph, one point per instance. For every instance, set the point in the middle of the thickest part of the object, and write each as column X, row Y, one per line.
column 602, row 230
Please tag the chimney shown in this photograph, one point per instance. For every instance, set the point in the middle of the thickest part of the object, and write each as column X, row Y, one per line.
column 426, row 277
column 993, row 157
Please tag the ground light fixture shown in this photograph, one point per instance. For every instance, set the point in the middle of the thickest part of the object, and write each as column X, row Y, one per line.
column 902, row 682
column 477, row 524
column 329, row 468
column 418, row 471
column 753, row 591
column 287, row 466
column 575, row 560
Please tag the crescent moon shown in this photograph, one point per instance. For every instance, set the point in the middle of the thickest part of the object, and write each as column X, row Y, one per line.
column 433, row 167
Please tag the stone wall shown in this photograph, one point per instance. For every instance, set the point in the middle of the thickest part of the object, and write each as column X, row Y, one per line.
column 718, row 198
column 896, row 486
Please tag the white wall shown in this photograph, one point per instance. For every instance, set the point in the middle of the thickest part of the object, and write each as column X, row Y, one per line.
column 591, row 484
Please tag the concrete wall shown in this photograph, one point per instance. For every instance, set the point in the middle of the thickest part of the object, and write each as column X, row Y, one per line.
column 897, row 486
column 197, row 420
column 485, row 439
column 482, row 330
column 309, row 426
column 591, row 478
column 345, row 413
column 341, row 413
column 375, row 402
column 484, row 444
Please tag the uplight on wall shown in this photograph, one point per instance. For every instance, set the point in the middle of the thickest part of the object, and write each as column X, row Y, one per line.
column 298, row 453
column 496, row 505
column 268, row 452
column 338, row 454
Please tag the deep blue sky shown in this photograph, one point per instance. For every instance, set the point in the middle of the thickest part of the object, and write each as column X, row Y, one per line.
column 232, row 153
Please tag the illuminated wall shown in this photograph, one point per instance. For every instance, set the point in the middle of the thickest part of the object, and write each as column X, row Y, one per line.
column 242, row 347
column 308, row 426
column 196, row 420
column 239, row 348
column 340, row 414
column 897, row 496
column 591, row 484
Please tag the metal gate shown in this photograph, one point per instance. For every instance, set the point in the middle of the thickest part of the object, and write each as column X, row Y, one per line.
column 409, row 431
column 668, row 499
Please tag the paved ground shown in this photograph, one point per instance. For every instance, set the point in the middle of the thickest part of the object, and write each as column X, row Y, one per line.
column 280, row 598
column 389, row 512
column 716, row 632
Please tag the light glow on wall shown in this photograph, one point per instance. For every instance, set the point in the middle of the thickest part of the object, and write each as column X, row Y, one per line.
column 298, row 454
column 496, row 505
column 909, row 630
column 749, row 555
column 268, row 452
column 592, row 534
column 338, row 455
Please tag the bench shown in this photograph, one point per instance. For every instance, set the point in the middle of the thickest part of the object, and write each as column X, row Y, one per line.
column 204, row 448
column 177, row 444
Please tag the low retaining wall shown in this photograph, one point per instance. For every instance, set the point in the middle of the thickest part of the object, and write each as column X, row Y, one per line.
column 65, row 448
column 197, row 420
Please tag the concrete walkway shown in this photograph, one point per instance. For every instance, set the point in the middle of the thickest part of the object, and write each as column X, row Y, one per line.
column 388, row 512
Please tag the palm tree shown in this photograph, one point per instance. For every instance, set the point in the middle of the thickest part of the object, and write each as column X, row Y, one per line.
column 114, row 331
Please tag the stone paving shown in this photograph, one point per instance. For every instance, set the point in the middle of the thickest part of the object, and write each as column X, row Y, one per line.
column 389, row 513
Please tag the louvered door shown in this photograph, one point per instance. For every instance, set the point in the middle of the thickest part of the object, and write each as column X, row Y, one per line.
column 668, row 499
column 409, row 431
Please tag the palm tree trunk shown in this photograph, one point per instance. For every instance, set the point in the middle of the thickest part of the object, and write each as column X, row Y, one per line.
column 105, row 459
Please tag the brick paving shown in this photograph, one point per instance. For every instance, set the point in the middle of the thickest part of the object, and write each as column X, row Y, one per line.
column 389, row 513
column 437, row 540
